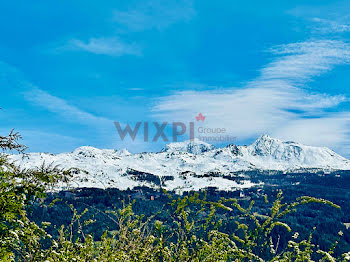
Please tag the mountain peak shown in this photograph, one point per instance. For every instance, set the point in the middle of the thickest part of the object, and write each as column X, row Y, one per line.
column 265, row 145
column 266, row 137
column 89, row 151
column 86, row 151
column 194, row 146
column 294, row 154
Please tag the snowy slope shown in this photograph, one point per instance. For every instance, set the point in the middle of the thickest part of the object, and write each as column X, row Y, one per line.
column 269, row 153
column 184, row 166
column 195, row 147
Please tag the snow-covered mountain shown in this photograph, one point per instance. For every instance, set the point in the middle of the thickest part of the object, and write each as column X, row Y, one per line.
column 189, row 165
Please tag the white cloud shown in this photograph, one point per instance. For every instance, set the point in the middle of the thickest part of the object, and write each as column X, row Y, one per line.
column 13, row 79
column 155, row 14
column 300, row 62
column 61, row 107
column 330, row 26
column 101, row 129
column 276, row 102
column 243, row 112
column 331, row 131
column 111, row 46
column 145, row 15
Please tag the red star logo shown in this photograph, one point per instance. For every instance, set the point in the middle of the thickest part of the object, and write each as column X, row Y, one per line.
column 200, row 117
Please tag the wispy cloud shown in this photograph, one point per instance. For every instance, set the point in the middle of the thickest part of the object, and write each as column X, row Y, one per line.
column 155, row 14
column 328, row 18
column 278, row 101
column 102, row 128
column 330, row 26
column 300, row 62
column 61, row 107
column 145, row 15
column 331, row 130
column 112, row 46
column 13, row 79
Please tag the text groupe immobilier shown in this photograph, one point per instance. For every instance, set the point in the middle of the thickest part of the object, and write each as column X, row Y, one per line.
column 208, row 130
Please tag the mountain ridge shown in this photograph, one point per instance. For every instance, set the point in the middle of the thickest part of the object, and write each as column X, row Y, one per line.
column 189, row 165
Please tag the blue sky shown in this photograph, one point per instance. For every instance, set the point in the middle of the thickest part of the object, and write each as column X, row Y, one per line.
column 68, row 69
